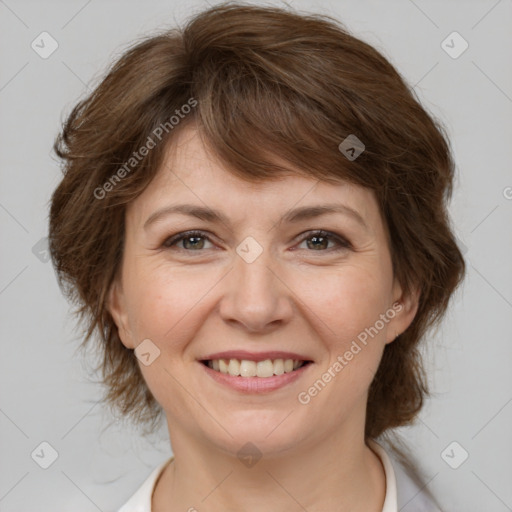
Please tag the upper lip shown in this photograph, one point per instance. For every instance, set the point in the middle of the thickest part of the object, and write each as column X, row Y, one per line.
column 254, row 356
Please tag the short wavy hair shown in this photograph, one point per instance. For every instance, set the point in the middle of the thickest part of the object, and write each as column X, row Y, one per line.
column 261, row 83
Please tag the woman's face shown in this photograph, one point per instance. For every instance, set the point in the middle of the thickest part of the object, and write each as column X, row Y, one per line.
column 257, row 281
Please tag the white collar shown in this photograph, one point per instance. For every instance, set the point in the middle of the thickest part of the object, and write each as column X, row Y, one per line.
column 390, row 500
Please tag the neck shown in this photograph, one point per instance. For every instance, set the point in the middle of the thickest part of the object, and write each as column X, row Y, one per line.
column 343, row 474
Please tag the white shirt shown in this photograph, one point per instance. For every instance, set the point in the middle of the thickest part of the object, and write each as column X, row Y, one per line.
column 401, row 490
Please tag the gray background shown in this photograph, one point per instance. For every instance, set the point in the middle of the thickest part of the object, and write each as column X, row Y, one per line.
column 46, row 389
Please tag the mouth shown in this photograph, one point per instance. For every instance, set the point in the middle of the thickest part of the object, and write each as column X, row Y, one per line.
column 255, row 377
column 244, row 368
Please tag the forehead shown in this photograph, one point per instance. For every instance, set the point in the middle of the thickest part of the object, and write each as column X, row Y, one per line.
column 191, row 173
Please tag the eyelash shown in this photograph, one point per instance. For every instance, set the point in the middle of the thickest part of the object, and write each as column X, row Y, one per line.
column 343, row 244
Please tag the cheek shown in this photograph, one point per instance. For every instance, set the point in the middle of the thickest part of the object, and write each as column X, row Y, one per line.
column 164, row 301
column 343, row 304
column 347, row 304
column 346, row 300
column 166, row 306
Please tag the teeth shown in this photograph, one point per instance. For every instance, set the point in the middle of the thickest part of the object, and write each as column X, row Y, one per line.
column 246, row 368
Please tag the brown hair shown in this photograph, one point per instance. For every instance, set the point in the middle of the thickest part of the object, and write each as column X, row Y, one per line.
column 266, row 82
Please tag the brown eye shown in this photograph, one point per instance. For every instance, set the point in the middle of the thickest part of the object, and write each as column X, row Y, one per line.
column 320, row 241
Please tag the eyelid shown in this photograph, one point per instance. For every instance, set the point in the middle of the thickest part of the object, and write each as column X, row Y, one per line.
column 342, row 241
column 171, row 240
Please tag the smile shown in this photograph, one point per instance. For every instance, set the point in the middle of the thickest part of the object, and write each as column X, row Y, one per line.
column 246, row 368
column 244, row 375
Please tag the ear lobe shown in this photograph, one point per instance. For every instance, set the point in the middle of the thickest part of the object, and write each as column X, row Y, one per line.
column 117, row 308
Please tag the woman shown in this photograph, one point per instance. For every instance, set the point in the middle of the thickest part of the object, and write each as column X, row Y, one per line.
column 253, row 217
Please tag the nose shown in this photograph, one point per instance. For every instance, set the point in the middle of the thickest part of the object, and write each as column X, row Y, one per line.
column 256, row 295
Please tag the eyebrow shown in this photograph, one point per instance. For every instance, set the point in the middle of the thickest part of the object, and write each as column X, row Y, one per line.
column 292, row 216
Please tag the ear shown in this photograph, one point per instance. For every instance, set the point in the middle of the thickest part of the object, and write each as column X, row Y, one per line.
column 117, row 308
column 405, row 307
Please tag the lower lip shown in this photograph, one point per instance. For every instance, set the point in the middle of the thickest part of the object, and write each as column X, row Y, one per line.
column 256, row 384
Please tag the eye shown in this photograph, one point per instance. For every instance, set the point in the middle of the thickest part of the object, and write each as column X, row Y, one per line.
column 195, row 241
column 320, row 239
column 192, row 240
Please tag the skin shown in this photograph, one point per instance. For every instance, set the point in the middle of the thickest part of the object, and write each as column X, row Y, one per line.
column 199, row 297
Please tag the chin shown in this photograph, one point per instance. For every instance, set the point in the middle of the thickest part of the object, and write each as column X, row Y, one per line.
column 268, row 434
